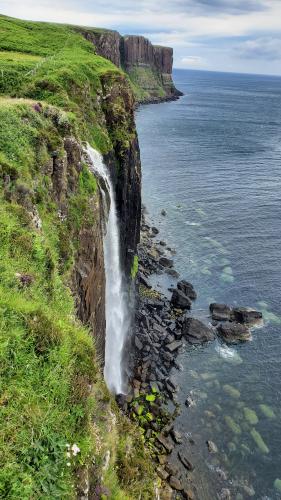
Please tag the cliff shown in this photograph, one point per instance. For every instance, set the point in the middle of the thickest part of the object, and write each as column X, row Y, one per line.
column 63, row 435
column 148, row 66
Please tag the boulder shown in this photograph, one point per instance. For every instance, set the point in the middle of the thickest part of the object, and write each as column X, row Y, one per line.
column 165, row 262
column 163, row 212
column 143, row 280
column 246, row 315
column 166, row 443
column 179, row 300
column 212, row 447
column 185, row 462
column 176, row 435
column 187, row 288
column 155, row 230
column 220, row 312
column 196, row 332
column 175, row 483
column 233, row 332
column 174, row 346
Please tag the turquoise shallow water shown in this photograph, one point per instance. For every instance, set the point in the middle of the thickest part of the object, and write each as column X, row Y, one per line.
column 213, row 160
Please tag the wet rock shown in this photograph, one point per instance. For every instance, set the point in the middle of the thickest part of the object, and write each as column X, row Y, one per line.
column 188, row 494
column 165, row 262
column 166, row 443
column 231, row 391
column 185, row 462
column 233, row 332
column 172, row 272
column 175, row 483
column 189, row 401
column 179, row 300
column 163, row 474
column 212, row 447
column 163, row 212
column 277, row 485
column 187, row 288
column 220, row 312
column 246, row 315
column 144, row 281
column 162, row 459
column 155, row 230
column 174, row 346
column 259, row 441
column 172, row 469
column 196, row 332
column 138, row 344
column 162, row 243
column 225, row 494
column 176, row 435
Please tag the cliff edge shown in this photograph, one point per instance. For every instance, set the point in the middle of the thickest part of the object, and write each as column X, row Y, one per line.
column 148, row 66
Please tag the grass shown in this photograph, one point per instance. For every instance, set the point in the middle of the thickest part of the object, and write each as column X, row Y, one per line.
column 51, row 392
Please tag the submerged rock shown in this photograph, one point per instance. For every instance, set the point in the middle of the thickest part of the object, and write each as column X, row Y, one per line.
column 196, row 332
column 277, row 485
column 250, row 416
column 231, row 391
column 185, row 462
column 165, row 262
column 233, row 332
column 267, row 411
column 220, row 312
column 259, row 441
column 212, row 447
column 232, row 425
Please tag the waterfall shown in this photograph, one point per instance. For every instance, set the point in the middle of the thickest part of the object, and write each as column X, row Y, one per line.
column 117, row 313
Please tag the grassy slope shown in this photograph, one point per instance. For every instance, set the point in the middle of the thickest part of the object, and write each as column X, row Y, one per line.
column 47, row 358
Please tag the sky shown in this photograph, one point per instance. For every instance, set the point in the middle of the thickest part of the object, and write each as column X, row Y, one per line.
column 217, row 35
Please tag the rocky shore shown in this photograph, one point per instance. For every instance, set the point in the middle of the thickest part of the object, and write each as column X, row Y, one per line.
column 163, row 326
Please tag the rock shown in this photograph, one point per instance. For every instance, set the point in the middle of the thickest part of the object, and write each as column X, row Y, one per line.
column 165, row 262
column 196, row 332
column 163, row 212
column 174, row 346
column 166, row 443
column 233, row 332
column 187, row 288
column 172, row 272
column 277, row 484
column 233, row 426
column 162, row 243
column 175, row 483
column 259, row 441
column 225, row 494
column 155, row 230
column 246, row 315
column 189, row 401
column 185, row 462
column 250, row 416
column 212, row 447
column 167, row 493
column 267, row 411
column 162, row 459
column 138, row 343
column 220, row 312
column 172, row 469
column 162, row 473
column 231, row 391
column 176, row 435
column 179, row 300
column 25, row 279
column 144, row 281
column 188, row 494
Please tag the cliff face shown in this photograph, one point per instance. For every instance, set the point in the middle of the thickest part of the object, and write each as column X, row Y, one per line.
column 148, row 66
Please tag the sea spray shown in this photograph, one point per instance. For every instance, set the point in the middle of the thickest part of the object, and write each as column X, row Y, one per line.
column 117, row 312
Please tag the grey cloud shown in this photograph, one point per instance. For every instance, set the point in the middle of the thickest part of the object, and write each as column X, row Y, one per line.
column 264, row 48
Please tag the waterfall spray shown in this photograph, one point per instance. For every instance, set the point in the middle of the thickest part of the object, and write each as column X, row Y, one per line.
column 117, row 313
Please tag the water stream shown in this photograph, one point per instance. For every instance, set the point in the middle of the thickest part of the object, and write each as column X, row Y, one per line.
column 117, row 314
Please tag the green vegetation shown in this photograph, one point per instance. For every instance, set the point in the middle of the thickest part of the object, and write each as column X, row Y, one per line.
column 135, row 267
column 145, row 83
column 57, row 418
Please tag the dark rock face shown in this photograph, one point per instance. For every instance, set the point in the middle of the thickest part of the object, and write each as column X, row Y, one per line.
column 106, row 42
column 196, row 332
column 124, row 163
column 246, row 315
column 132, row 52
column 187, row 288
column 234, row 332
column 220, row 312
column 180, row 300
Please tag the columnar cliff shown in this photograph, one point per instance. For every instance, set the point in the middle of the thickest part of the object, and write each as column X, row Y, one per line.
column 149, row 66
column 63, row 435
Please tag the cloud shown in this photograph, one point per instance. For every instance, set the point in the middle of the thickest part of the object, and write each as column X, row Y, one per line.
column 193, row 61
column 264, row 48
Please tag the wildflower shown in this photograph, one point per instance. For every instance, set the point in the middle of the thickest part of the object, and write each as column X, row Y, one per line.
column 75, row 449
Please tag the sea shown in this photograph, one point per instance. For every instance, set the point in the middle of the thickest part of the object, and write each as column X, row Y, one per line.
column 212, row 161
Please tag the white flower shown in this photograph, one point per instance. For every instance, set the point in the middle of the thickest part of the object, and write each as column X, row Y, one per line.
column 68, row 454
column 68, row 464
column 75, row 449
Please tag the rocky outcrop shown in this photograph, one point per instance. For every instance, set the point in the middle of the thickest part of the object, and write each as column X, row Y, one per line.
column 148, row 66
column 106, row 42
